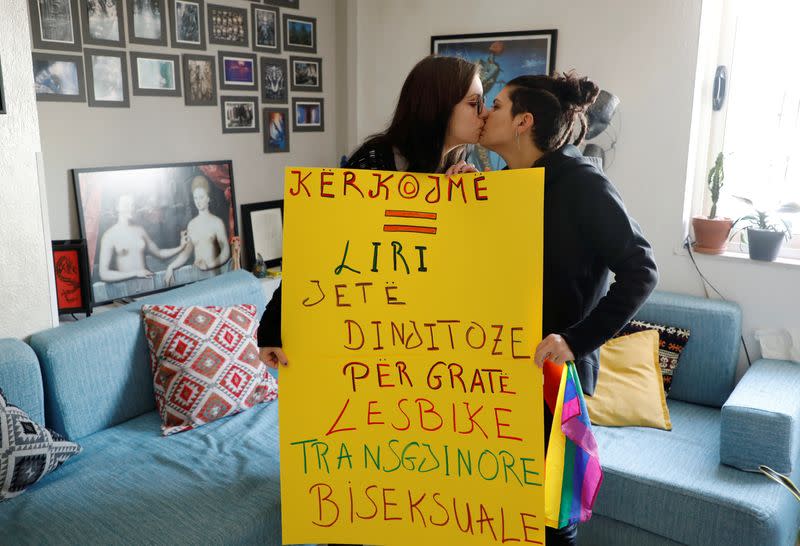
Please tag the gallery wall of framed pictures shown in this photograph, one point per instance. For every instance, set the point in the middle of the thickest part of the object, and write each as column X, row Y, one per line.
column 245, row 60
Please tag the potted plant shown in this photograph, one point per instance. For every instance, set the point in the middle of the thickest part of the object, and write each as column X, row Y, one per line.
column 766, row 230
column 710, row 232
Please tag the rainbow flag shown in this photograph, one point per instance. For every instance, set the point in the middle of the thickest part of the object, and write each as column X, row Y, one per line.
column 572, row 468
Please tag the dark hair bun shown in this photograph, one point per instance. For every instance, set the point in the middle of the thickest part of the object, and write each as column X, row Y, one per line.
column 576, row 93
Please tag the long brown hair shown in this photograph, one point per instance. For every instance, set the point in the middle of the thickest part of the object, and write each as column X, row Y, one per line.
column 557, row 103
column 419, row 125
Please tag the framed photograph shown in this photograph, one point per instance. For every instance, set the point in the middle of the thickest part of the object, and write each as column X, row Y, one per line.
column 71, row 268
column 294, row 4
column 308, row 114
column 299, row 33
column 155, row 74
column 237, row 71
column 154, row 227
column 263, row 232
column 59, row 77
column 2, row 93
column 200, row 80
column 147, row 22
column 187, row 24
column 54, row 24
column 102, row 23
column 276, row 130
column 266, row 29
column 274, row 81
column 239, row 114
column 502, row 56
column 106, row 78
column 306, row 73
column 227, row 25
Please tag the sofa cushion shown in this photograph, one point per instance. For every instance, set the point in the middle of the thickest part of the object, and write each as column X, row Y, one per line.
column 205, row 363
column 218, row 484
column 672, row 484
column 28, row 451
column 96, row 371
column 671, row 341
column 21, row 379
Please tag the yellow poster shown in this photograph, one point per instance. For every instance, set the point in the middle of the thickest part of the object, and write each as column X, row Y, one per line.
column 411, row 409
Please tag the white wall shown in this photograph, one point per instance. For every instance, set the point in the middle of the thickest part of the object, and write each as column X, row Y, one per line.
column 164, row 130
column 645, row 53
column 25, row 273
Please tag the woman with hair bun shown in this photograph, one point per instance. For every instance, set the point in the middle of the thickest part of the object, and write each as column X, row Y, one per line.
column 537, row 121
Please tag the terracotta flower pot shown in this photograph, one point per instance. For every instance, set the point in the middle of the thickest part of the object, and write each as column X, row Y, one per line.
column 711, row 236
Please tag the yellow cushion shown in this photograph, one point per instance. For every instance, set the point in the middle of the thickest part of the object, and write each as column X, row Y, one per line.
column 629, row 388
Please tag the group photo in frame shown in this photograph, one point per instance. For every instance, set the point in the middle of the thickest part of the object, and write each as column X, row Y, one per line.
column 276, row 130
column 103, row 22
column 299, row 33
column 237, row 71
column 155, row 74
column 199, row 80
column 308, row 114
column 106, row 78
column 71, row 272
column 306, row 73
column 147, row 22
column 187, row 24
column 262, row 225
column 227, row 25
column 55, row 24
column 239, row 114
column 58, row 77
column 501, row 56
column 266, row 28
column 274, row 80
column 154, row 227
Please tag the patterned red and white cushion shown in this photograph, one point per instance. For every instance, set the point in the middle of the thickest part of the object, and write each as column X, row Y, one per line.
column 205, row 363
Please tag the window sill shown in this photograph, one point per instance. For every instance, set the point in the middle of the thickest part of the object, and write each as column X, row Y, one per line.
column 740, row 257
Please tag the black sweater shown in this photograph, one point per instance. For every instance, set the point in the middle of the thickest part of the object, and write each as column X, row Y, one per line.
column 587, row 234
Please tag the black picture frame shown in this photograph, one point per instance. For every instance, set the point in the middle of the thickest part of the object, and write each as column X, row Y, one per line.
column 274, row 79
column 229, row 80
column 200, row 88
column 305, row 125
column 2, row 91
column 305, row 42
column 267, row 218
column 143, row 79
column 59, row 29
column 179, row 30
column 159, row 201
column 71, row 271
column 47, row 87
column 91, row 81
column 276, row 138
column 155, row 8
column 292, row 4
column 263, row 42
column 234, row 121
column 301, row 82
column 86, row 25
column 215, row 32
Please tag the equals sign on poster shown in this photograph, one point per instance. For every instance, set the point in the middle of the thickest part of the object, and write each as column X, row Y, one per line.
column 410, row 219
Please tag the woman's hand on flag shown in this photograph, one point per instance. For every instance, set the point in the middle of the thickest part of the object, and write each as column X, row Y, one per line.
column 553, row 348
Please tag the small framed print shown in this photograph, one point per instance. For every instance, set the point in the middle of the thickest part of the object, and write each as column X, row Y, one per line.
column 155, row 74
column 239, row 114
column 263, row 232
column 58, row 77
column 102, row 22
column 106, row 78
column 299, row 33
column 147, row 22
column 308, row 114
column 276, row 130
column 237, row 71
column 227, row 25
column 306, row 73
column 200, row 80
column 71, row 268
column 274, row 80
column 187, row 24
column 294, row 4
column 266, row 29
column 54, row 24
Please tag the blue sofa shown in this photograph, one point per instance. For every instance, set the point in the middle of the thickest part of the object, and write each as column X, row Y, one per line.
column 698, row 484
column 219, row 484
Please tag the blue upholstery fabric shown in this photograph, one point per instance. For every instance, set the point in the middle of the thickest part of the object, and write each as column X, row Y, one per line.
column 706, row 371
column 603, row 531
column 672, row 484
column 761, row 419
column 96, row 371
column 218, row 484
column 20, row 378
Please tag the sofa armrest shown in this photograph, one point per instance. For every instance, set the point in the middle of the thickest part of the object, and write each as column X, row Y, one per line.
column 761, row 418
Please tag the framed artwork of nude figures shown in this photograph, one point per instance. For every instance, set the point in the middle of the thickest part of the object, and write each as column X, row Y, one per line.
column 154, row 227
